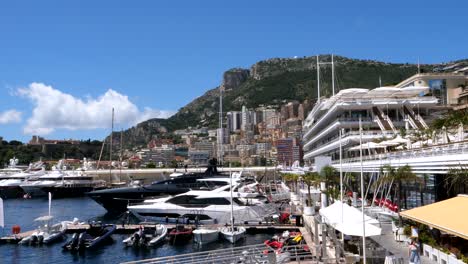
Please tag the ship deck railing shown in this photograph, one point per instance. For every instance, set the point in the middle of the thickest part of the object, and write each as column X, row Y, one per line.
column 259, row 253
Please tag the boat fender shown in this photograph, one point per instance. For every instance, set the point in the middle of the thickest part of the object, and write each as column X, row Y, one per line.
column 16, row 229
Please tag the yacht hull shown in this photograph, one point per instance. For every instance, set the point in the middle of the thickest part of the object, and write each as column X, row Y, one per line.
column 9, row 192
column 117, row 200
column 64, row 192
column 233, row 235
column 204, row 236
column 34, row 191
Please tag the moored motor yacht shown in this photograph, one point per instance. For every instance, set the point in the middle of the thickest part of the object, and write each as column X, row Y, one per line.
column 74, row 184
column 206, row 207
column 10, row 185
column 116, row 200
column 33, row 186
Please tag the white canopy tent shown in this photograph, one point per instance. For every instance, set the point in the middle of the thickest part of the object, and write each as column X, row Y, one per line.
column 348, row 220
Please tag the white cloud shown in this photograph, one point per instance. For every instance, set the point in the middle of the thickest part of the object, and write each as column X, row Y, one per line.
column 54, row 109
column 10, row 116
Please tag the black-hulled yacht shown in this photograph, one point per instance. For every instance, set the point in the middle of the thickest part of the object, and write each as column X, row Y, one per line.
column 116, row 200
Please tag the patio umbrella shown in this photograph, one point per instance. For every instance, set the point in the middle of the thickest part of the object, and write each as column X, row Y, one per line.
column 368, row 145
column 445, row 139
column 461, row 132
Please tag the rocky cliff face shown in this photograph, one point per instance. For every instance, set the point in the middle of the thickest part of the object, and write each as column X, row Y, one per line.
column 277, row 66
column 233, row 78
column 275, row 81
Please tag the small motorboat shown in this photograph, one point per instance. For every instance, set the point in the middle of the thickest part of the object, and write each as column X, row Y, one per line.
column 146, row 237
column 180, row 234
column 93, row 237
column 159, row 235
column 46, row 233
column 233, row 233
column 205, row 235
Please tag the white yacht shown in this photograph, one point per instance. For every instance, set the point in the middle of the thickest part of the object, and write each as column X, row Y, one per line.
column 74, row 183
column 10, row 185
column 33, row 186
column 208, row 207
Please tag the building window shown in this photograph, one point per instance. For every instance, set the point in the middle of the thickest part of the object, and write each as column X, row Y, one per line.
column 438, row 89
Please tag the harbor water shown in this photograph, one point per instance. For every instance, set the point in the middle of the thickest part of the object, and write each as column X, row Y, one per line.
column 22, row 212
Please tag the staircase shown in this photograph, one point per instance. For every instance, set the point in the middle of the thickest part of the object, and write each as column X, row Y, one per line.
column 382, row 120
column 415, row 120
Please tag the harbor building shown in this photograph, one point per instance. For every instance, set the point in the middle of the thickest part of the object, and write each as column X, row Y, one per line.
column 392, row 121
column 384, row 113
column 446, row 87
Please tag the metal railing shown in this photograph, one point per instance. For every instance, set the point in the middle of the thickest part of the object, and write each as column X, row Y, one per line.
column 258, row 253
column 436, row 150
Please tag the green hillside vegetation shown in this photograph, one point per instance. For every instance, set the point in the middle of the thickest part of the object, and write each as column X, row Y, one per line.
column 274, row 82
column 291, row 79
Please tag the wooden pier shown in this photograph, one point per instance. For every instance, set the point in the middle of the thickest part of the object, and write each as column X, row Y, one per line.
column 14, row 239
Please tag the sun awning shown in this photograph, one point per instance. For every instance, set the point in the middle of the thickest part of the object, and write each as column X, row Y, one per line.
column 449, row 215
column 348, row 220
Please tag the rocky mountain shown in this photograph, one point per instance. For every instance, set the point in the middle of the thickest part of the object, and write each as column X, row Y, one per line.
column 275, row 81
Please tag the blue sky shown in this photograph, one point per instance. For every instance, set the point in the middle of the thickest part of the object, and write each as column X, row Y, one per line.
column 63, row 64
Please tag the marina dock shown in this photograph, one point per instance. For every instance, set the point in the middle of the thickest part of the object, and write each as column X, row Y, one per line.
column 14, row 239
column 126, row 229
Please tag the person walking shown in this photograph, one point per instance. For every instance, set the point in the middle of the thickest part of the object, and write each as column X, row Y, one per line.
column 414, row 252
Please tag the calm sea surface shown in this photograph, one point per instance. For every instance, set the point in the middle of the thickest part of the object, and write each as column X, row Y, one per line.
column 22, row 212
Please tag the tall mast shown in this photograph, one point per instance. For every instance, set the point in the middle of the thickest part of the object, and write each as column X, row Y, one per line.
column 362, row 195
column 232, row 206
column 110, row 147
column 333, row 75
column 419, row 69
column 341, row 181
column 121, row 154
column 318, row 80
column 220, row 134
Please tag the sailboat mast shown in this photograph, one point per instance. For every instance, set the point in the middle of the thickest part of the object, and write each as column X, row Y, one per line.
column 221, row 132
column 341, row 181
column 232, row 205
column 110, row 148
column 333, row 75
column 318, row 80
column 121, row 154
column 362, row 195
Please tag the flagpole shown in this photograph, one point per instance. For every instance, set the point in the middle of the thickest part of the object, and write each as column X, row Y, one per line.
column 362, row 195
column 341, row 181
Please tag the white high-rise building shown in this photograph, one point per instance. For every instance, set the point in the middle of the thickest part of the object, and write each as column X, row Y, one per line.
column 246, row 124
column 234, row 120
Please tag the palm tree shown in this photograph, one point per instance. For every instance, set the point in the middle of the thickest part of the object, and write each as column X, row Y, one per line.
column 292, row 179
column 329, row 176
column 311, row 179
column 457, row 178
column 399, row 176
